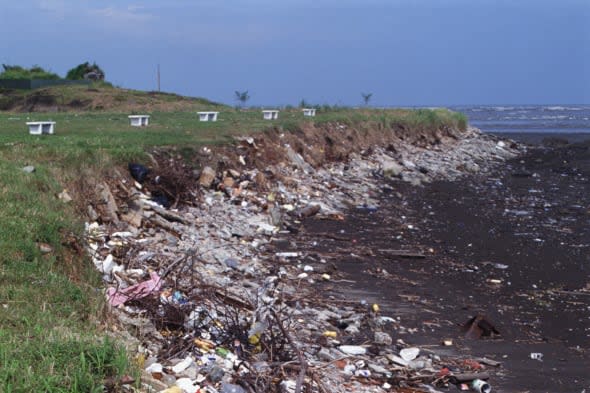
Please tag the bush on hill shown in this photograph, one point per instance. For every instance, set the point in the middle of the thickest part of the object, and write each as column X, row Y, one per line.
column 18, row 72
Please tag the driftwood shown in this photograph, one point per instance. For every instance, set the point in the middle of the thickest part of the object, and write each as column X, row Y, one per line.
column 467, row 377
column 298, row 351
column 168, row 215
column 403, row 253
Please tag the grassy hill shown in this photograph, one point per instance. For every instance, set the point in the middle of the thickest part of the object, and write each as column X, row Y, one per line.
column 96, row 97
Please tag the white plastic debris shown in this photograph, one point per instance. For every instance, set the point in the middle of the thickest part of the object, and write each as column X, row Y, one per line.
column 537, row 356
column 182, row 365
column 154, row 368
column 352, row 349
column 287, row 254
column 409, row 354
column 186, row 385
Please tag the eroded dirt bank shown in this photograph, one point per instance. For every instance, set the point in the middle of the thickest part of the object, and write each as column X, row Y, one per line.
column 210, row 287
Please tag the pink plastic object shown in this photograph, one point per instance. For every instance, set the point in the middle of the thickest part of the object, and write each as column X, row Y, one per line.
column 116, row 297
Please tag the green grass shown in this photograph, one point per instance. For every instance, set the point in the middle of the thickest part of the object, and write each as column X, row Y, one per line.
column 49, row 339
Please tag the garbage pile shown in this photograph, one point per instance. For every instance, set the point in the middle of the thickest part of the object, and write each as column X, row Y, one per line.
column 209, row 305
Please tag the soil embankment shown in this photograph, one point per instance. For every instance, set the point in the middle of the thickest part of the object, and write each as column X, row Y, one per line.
column 223, row 272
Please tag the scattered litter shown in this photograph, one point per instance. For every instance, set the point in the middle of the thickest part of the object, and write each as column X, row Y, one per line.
column 537, row 356
column 117, row 297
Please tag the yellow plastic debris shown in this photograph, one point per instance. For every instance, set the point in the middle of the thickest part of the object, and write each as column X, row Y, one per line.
column 173, row 389
column 375, row 308
column 330, row 333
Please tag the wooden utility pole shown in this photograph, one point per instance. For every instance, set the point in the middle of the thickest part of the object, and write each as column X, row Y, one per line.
column 159, row 77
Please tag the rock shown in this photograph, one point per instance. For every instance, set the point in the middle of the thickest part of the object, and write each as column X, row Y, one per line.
column 231, row 263
column 92, row 214
column 29, row 169
column 327, row 355
column 44, row 248
column 382, row 338
column 261, row 181
column 133, row 218
column 297, row 160
column 229, row 182
column 207, row 177
column 472, row 167
column 64, row 196
column 216, row 374
column 309, row 210
column 378, row 369
column 108, row 204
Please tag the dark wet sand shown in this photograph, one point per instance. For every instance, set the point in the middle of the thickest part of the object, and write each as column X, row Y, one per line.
column 528, row 227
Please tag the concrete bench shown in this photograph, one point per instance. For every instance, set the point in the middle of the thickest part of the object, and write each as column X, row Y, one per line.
column 270, row 114
column 308, row 112
column 139, row 120
column 41, row 127
column 208, row 116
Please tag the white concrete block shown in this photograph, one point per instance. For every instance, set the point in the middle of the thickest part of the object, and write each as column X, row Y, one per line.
column 41, row 127
column 270, row 114
column 139, row 120
column 208, row 116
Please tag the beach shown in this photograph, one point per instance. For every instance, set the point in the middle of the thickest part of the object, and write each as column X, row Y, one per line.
column 512, row 245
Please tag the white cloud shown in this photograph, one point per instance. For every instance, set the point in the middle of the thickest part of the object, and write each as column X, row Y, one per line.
column 121, row 16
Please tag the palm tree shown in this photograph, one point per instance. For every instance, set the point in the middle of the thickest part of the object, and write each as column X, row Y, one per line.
column 242, row 97
column 367, row 98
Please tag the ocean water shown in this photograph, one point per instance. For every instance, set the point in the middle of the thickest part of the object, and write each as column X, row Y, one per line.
column 568, row 119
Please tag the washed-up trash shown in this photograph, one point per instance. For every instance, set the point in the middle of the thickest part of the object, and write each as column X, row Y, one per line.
column 187, row 385
column 362, row 373
column 479, row 326
column 231, row 388
column 138, row 171
column 173, row 389
column 480, row 386
column 447, row 342
column 116, row 297
column 182, row 365
column 162, row 200
column 288, row 386
column 409, row 354
column 352, row 349
column 537, row 356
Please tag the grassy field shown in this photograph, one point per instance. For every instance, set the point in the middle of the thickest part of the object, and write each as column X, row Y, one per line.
column 50, row 303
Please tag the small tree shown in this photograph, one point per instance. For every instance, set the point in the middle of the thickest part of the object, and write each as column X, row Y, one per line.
column 242, row 97
column 303, row 103
column 86, row 71
column 366, row 98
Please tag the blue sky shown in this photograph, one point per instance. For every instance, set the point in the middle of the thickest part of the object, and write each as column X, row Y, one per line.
column 405, row 52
